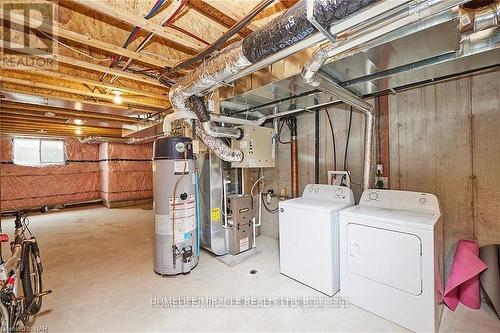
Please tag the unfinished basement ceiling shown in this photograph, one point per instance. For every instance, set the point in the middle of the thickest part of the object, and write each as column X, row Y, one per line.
column 90, row 36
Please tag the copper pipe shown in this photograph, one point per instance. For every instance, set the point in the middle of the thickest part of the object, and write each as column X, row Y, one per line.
column 291, row 122
column 294, row 167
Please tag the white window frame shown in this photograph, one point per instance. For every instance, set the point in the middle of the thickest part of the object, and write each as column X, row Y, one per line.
column 40, row 163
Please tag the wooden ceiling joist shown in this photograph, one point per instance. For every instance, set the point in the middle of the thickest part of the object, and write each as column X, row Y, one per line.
column 5, row 117
column 35, row 84
column 70, row 114
column 59, row 117
column 80, row 100
column 88, row 41
column 83, row 64
column 76, row 79
column 67, row 128
column 134, row 20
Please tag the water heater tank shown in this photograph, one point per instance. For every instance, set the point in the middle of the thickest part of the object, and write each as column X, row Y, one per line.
column 174, row 206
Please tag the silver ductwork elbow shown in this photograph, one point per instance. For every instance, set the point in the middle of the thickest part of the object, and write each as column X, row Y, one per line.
column 312, row 66
column 199, row 108
column 225, row 64
column 222, row 132
column 216, row 145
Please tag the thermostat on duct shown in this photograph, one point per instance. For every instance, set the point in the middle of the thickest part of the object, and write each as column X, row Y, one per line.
column 257, row 147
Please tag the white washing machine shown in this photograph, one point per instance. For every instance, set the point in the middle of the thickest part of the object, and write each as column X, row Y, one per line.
column 391, row 257
column 309, row 236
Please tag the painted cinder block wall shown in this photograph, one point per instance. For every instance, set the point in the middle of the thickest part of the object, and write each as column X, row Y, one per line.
column 444, row 139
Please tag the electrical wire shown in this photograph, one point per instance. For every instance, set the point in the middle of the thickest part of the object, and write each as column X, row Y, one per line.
column 333, row 140
column 279, row 134
column 272, row 211
column 165, row 23
column 74, row 49
column 347, row 139
column 256, row 182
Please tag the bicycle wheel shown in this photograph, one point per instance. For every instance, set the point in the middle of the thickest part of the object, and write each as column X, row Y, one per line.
column 31, row 277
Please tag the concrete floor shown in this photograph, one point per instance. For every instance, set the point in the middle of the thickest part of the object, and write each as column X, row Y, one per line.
column 99, row 264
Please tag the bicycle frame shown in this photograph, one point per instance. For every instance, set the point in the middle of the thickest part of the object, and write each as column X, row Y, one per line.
column 13, row 264
column 11, row 272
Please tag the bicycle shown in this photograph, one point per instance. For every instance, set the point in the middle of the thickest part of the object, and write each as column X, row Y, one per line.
column 20, row 275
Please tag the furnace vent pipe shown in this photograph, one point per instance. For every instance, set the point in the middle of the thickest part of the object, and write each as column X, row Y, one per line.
column 287, row 29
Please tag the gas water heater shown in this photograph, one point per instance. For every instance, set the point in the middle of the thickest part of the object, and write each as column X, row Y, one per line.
column 176, row 237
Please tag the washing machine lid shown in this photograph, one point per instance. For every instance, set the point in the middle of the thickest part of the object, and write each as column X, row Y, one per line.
column 315, row 204
column 407, row 218
column 322, row 197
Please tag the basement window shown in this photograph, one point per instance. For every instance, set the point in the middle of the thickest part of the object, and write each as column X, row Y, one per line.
column 38, row 152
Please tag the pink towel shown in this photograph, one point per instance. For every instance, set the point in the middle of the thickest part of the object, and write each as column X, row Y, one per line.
column 463, row 283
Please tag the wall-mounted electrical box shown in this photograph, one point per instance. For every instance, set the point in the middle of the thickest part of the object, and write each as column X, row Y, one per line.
column 257, row 147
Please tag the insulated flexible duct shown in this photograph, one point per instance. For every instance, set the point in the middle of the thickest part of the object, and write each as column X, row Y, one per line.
column 284, row 31
column 198, row 106
column 292, row 26
column 217, row 146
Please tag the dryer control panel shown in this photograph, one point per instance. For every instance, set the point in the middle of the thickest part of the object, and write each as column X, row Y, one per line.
column 404, row 200
column 328, row 193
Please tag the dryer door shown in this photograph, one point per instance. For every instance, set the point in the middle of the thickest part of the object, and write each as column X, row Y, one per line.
column 388, row 257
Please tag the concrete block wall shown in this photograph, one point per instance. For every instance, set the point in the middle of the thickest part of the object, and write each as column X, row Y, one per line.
column 444, row 139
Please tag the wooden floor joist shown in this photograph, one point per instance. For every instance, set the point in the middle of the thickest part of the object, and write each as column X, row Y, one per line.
column 59, row 117
column 85, row 40
column 35, row 84
column 81, row 100
column 72, row 78
column 76, row 114
column 82, row 64
column 137, row 21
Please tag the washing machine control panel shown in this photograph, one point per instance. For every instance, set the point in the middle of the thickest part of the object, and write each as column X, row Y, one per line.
column 328, row 192
column 405, row 200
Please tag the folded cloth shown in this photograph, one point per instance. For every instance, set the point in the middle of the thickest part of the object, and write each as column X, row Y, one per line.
column 463, row 282
column 490, row 278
